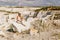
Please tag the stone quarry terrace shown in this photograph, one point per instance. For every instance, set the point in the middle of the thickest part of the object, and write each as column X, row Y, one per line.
column 8, row 21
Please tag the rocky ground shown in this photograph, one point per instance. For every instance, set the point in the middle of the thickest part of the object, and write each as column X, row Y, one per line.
column 14, row 36
column 53, row 34
column 45, row 33
column 46, row 30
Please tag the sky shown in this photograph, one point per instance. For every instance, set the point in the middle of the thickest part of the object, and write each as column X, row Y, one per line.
column 29, row 2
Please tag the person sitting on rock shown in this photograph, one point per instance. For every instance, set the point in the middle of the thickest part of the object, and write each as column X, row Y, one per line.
column 19, row 18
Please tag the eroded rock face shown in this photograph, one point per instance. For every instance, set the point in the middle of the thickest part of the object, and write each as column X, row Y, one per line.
column 40, row 25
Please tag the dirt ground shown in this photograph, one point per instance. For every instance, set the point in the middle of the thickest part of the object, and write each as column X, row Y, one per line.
column 46, row 35
column 14, row 36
